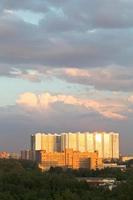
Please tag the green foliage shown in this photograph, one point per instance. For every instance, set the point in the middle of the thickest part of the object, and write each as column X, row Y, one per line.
column 21, row 180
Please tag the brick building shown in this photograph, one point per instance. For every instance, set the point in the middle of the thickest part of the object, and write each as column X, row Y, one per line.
column 68, row 159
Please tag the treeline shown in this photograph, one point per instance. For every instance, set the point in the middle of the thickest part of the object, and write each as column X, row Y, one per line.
column 22, row 180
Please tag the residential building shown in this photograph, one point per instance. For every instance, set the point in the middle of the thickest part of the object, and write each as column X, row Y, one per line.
column 68, row 159
column 107, row 144
column 26, row 155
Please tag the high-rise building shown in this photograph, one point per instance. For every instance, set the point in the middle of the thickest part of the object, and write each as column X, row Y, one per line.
column 26, row 155
column 36, row 141
column 115, row 145
column 89, row 142
column 106, row 144
column 68, row 141
column 48, row 142
column 98, row 143
column 81, row 146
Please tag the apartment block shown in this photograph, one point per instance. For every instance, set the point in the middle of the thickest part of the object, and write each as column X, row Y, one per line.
column 26, row 155
column 106, row 144
column 68, row 159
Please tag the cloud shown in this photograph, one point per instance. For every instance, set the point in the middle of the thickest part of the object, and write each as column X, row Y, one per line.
column 28, row 99
column 31, row 75
column 19, row 121
column 65, row 37
column 112, row 109
column 32, row 5
column 104, row 14
column 111, row 78
column 130, row 99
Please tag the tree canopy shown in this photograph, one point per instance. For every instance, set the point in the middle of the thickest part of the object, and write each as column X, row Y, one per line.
column 22, row 180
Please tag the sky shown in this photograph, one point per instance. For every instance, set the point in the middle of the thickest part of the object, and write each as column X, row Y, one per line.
column 65, row 66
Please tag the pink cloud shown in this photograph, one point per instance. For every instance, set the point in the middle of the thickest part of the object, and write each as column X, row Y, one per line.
column 28, row 99
column 109, row 109
column 75, row 72
column 111, row 78
column 130, row 99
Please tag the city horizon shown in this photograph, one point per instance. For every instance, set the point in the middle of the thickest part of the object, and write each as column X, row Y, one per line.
column 106, row 144
column 28, row 144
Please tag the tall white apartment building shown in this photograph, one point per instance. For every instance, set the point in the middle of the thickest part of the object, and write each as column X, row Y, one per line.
column 77, row 141
column 42, row 141
column 98, row 143
column 89, row 142
column 115, row 145
column 107, row 144
column 68, row 141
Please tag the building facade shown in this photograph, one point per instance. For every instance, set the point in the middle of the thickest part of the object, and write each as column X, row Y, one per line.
column 42, row 141
column 26, row 155
column 68, row 159
column 106, row 144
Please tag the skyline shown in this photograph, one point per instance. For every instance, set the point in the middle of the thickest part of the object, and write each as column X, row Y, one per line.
column 106, row 144
column 65, row 66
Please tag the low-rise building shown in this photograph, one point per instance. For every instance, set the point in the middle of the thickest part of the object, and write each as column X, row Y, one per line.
column 114, row 165
column 126, row 158
column 109, row 183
